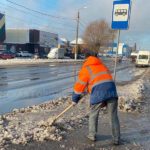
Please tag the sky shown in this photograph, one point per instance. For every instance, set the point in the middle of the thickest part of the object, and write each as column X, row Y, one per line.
column 62, row 15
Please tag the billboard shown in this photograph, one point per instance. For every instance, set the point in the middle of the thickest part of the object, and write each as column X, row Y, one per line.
column 2, row 27
column 18, row 36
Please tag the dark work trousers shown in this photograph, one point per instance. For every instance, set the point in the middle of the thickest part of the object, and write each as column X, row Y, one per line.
column 112, row 106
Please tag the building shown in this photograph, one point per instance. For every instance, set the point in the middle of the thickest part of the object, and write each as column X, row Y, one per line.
column 80, row 42
column 31, row 40
column 2, row 28
column 123, row 49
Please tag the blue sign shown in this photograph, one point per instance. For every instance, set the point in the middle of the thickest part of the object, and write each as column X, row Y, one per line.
column 121, row 14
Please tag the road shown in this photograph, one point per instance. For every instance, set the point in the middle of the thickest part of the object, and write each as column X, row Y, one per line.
column 26, row 85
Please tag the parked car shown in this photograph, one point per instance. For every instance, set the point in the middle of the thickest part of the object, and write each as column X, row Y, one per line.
column 124, row 58
column 6, row 55
column 81, row 56
column 24, row 54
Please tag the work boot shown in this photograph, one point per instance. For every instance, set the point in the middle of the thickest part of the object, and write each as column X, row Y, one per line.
column 116, row 142
column 91, row 138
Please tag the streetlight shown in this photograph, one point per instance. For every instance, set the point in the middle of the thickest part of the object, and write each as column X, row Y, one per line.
column 77, row 31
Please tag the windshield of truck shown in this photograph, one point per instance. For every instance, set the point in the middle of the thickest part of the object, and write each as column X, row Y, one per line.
column 143, row 56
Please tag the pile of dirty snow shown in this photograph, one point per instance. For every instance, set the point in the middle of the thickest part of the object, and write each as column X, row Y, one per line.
column 34, row 123
column 131, row 96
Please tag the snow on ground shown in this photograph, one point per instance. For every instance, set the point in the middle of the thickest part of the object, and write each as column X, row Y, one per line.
column 131, row 94
column 33, row 123
column 18, row 61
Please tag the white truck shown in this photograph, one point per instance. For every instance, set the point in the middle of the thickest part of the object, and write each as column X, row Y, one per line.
column 143, row 58
column 56, row 53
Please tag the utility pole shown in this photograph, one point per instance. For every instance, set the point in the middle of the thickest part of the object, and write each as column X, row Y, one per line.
column 77, row 34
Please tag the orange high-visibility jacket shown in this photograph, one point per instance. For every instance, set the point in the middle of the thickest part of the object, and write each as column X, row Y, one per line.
column 97, row 79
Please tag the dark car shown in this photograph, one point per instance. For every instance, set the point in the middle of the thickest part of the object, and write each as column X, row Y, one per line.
column 7, row 55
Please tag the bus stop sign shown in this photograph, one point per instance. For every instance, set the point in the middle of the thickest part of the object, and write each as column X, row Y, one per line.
column 121, row 14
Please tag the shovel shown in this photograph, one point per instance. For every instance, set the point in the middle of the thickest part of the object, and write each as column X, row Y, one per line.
column 53, row 121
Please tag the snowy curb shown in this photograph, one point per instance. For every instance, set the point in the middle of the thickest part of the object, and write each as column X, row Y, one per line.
column 18, row 61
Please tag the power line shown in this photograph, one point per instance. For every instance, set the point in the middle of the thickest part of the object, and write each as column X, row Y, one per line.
column 82, row 23
column 82, row 26
column 70, row 27
column 17, row 9
column 85, row 22
column 34, row 23
column 59, row 23
column 41, row 13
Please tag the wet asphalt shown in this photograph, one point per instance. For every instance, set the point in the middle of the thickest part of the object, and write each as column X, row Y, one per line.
column 26, row 85
column 22, row 86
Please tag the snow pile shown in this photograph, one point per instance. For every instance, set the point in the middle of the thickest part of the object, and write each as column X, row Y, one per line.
column 34, row 61
column 33, row 123
column 131, row 96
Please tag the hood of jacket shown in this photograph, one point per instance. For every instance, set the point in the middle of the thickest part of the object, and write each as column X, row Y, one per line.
column 92, row 61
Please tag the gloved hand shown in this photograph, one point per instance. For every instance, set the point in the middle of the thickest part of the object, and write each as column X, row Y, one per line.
column 74, row 103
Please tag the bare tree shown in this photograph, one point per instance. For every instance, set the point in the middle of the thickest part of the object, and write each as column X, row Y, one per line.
column 97, row 34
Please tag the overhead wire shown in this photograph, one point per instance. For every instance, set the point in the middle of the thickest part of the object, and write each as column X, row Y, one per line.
column 39, row 12
column 58, row 23
column 16, row 18
column 82, row 26
column 84, row 22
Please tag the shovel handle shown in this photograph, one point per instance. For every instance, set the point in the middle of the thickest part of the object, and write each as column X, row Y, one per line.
column 70, row 106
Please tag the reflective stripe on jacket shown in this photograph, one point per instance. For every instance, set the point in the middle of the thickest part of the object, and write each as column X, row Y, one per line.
column 96, row 78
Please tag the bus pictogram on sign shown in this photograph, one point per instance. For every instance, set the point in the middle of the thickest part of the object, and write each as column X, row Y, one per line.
column 122, row 12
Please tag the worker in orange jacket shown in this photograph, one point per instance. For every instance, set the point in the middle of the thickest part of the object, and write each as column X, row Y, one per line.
column 97, row 79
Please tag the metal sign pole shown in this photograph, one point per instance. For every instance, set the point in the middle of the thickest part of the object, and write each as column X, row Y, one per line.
column 115, row 67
